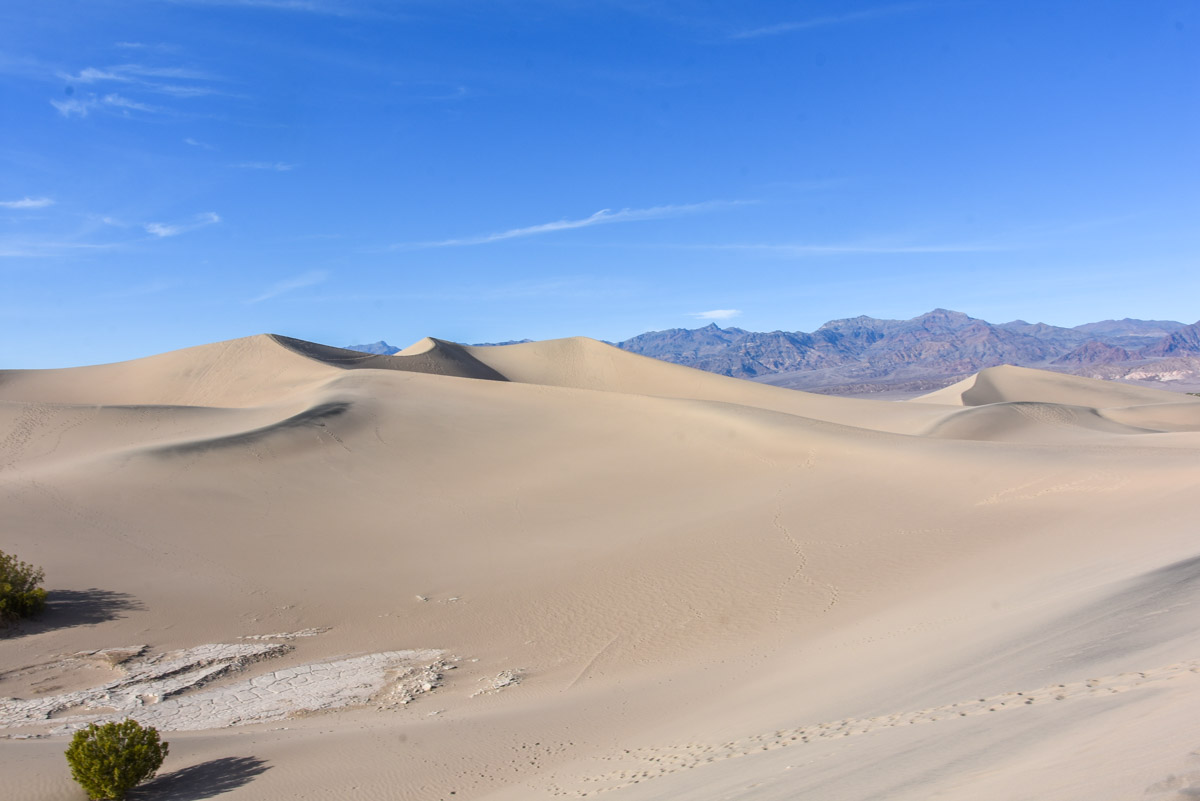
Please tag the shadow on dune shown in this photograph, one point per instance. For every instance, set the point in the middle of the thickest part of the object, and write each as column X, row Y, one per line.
column 206, row 780
column 434, row 356
column 1135, row 616
column 1110, row 632
column 69, row 608
column 315, row 417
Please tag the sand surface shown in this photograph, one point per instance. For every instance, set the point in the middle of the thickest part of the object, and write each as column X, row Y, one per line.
column 560, row 570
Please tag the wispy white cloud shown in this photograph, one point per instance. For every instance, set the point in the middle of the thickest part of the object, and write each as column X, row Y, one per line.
column 717, row 314
column 82, row 106
column 174, row 73
column 93, row 75
column 175, row 90
column 178, row 82
column 34, row 249
column 27, row 203
column 602, row 217
column 310, row 278
column 119, row 101
column 199, row 144
column 143, row 46
column 175, row 229
column 334, row 7
column 830, row 20
column 277, row 166
column 852, row 248
column 135, row 73
column 75, row 106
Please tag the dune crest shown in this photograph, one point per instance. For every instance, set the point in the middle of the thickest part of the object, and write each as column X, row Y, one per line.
column 583, row 363
column 237, row 372
column 1009, row 383
column 433, row 356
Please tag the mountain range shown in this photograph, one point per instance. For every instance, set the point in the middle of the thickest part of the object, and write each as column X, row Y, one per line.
column 867, row 355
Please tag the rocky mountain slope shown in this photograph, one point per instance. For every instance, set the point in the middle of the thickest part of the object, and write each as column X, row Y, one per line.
column 862, row 355
column 865, row 354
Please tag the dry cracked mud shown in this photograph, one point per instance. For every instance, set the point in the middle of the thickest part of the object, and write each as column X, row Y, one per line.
column 164, row 690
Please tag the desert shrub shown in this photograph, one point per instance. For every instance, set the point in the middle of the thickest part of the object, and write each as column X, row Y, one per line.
column 110, row 760
column 20, row 593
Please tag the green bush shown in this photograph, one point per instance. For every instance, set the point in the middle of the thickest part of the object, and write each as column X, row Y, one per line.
column 110, row 760
column 20, row 595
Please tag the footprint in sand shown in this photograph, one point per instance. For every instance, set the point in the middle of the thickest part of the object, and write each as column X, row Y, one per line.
column 657, row 762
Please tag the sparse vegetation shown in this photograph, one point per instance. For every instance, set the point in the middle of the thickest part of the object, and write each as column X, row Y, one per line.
column 110, row 760
column 21, row 594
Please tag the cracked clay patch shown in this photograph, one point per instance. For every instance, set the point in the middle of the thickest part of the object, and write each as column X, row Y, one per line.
column 164, row 690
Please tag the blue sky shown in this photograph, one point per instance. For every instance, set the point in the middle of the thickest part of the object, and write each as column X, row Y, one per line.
column 175, row 172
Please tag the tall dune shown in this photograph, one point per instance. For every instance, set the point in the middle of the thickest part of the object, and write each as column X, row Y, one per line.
column 582, row 363
column 641, row 580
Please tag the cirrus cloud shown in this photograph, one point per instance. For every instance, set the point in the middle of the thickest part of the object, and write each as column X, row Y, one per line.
column 27, row 203
column 310, row 278
column 175, row 229
column 831, row 20
column 602, row 217
column 276, row 166
column 717, row 314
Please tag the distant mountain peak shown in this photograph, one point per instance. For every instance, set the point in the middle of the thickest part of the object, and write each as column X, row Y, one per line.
column 1131, row 327
column 498, row 344
column 932, row 347
column 379, row 348
column 1184, row 342
column 944, row 314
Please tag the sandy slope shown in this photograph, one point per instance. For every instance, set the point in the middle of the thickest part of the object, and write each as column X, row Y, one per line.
column 1008, row 383
column 643, row 580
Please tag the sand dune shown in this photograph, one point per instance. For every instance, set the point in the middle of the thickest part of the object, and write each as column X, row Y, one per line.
column 240, row 372
column 1009, row 383
column 558, row 569
column 1183, row 416
column 582, row 363
column 1030, row 422
column 433, row 356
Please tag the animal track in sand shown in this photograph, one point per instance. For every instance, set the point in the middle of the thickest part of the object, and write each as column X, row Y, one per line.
column 32, row 417
column 644, row 764
column 794, row 545
column 797, row 552
column 1048, row 414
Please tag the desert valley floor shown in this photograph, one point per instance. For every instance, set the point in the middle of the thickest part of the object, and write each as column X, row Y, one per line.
column 560, row 570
